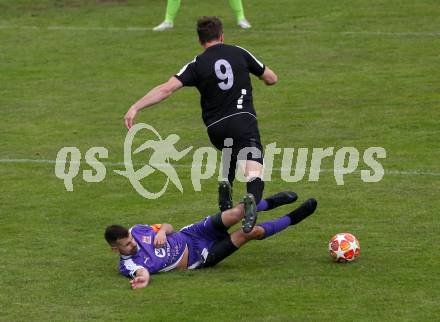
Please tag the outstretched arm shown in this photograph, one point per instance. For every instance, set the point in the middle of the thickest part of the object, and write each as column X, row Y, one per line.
column 269, row 77
column 141, row 280
column 156, row 95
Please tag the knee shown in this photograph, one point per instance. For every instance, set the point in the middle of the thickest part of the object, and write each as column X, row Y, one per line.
column 239, row 237
column 256, row 233
column 238, row 211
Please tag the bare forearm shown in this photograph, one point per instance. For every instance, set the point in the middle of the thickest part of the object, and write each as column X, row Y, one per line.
column 156, row 95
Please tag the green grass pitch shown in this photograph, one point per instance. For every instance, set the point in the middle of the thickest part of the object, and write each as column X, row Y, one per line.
column 351, row 73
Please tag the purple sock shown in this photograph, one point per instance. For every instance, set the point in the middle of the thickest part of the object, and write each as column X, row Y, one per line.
column 262, row 205
column 275, row 226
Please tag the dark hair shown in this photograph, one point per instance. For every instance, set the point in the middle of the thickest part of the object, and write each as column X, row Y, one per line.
column 209, row 28
column 115, row 232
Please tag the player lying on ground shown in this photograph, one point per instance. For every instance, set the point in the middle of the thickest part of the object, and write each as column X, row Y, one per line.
column 146, row 250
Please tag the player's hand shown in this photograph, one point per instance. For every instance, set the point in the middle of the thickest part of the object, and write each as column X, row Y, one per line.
column 139, row 282
column 160, row 240
column 129, row 118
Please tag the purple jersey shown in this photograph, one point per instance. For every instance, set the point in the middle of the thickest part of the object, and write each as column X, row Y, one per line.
column 147, row 256
column 201, row 237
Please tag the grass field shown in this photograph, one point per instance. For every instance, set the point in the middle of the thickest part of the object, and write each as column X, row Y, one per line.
column 351, row 73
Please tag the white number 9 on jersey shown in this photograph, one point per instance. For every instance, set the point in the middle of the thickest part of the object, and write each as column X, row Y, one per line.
column 227, row 76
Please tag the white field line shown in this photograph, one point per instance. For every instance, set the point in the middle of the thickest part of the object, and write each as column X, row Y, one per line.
column 292, row 31
column 409, row 172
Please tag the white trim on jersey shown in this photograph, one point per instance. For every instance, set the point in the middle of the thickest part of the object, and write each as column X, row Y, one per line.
column 131, row 266
column 259, row 62
column 172, row 266
column 230, row 116
column 196, row 264
column 184, row 67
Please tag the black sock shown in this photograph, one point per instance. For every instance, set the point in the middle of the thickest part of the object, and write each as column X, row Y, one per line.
column 232, row 168
column 303, row 211
column 256, row 187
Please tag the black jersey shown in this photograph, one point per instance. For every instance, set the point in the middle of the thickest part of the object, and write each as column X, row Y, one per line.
column 221, row 74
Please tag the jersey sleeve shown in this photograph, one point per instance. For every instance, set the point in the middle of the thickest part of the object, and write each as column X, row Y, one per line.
column 187, row 75
column 255, row 66
column 128, row 267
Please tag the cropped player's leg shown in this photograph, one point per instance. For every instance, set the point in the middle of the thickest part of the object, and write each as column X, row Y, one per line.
column 277, row 200
column 218, row 136
column 246, row 212
column 237, row 7
column 171, row 12
column 227, row 246
column 275, row 226
column 224, row 195
column 239, row 139
column 249, row 151
column 232, row 169
column 255, row 186
column 269, row 228
column 255, row 183
column 225, row 187
column 266, row 204
column 172, row 9
column 239, row 238
column 230, row 217
column 219, row 251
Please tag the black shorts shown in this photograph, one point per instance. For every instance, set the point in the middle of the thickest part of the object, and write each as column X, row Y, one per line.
column 243, row 130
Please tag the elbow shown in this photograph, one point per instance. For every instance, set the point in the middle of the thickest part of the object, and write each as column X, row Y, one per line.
column 165, row 92
column 169, row 229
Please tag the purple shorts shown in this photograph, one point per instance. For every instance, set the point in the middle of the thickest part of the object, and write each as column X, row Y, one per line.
column 201, row 236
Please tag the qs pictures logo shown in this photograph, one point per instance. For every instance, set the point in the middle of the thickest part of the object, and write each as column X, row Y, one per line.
column 161, row 157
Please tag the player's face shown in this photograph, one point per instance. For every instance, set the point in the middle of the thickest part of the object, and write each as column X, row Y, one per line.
column 127, row 246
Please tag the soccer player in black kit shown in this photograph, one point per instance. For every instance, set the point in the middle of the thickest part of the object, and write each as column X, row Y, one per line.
column 222, row 76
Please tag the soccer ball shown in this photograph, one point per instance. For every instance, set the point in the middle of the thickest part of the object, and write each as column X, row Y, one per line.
column 344, row 247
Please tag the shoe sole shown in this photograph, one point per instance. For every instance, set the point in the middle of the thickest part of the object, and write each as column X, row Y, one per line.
column 224, row 196
column 250, row 213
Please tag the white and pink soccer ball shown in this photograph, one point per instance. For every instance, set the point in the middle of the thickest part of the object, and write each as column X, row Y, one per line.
column 344, row 247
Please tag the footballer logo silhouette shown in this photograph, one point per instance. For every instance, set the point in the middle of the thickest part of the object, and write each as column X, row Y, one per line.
column 163, row 150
